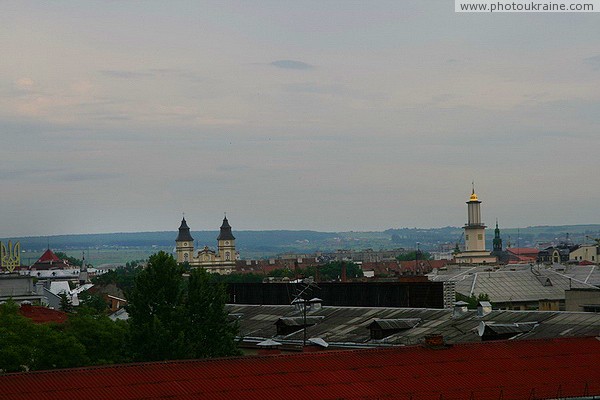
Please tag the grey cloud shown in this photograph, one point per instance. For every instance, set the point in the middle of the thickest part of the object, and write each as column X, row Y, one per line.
column 86, row 176
column 594, row 62
column 310, row 87
column 291, row 64
column 125, row 74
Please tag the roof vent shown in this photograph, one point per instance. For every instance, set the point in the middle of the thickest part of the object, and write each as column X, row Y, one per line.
column 315, row 304
column 484, row 308
column 460, row 308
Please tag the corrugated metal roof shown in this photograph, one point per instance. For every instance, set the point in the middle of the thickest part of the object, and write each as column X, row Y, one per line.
column 557, row 368
column 351, row 324
column 396, row 323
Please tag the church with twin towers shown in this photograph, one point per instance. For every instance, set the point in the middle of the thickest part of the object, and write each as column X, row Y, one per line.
column 221, row 261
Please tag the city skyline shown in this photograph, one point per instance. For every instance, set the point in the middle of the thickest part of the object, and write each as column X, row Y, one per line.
column 336, row 116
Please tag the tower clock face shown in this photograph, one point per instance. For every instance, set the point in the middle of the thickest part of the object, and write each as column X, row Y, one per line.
column 185, row 243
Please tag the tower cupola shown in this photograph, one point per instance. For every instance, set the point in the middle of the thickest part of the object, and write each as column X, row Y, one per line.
column 184, row 232
column 225, row 233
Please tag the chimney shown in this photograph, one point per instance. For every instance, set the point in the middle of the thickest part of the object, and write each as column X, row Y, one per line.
column 344, row 272
column 460, row 308
column 268, row 347
column 315, row 304
column 434, row 340
column 484, row 308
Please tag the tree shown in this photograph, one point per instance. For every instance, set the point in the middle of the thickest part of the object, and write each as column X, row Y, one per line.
column 72, row 260
column 104, row 339
column 413, row 255
column 92, row 303
column 27, row 346
column 156, row 313
column 208, row 332
column 473, row 300
column 333, row 270
column 122, row 277
column 66, row 304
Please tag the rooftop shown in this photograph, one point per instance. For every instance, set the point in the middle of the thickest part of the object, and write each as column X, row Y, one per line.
column 556, row 368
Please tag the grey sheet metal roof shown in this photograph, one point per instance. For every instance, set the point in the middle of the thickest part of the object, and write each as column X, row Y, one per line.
column 512, row 285
column 395, row 323
column 351, row 324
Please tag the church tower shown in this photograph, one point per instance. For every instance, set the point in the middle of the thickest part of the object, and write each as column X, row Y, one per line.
column 184, row 244
column 474, row 229
column 497, row 243
column 226, row 244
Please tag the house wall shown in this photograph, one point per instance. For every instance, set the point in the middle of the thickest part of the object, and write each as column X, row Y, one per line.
column 575, row 299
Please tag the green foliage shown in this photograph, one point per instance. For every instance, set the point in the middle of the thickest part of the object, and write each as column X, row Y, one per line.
column 122, row 277
column 105, row 340
column 92, row 303
column 171, row 320
column 473, row 300
column 66, row 304
column 208, row 332
column 333, row 271
column 28, row 346
column 412, row 255
column 237, row 278
column 72, row 260
column 156, row 312
column 282, row 273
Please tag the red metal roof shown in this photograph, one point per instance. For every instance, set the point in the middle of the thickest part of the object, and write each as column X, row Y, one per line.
column 48, row 256
column 552, row 368
column 41, row 315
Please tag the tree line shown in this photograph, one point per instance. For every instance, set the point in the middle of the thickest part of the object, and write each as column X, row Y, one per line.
column 170, row 317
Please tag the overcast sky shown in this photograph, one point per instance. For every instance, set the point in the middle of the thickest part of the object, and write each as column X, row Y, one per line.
column 326, row 115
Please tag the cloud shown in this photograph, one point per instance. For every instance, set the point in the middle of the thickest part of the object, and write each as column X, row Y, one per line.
column 593, row 61
column 25, row 83
column 291, row 64
column 114, row 73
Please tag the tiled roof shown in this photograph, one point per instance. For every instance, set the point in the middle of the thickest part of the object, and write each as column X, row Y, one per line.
column 41, row 315
column 48, row 256
column 557, row 368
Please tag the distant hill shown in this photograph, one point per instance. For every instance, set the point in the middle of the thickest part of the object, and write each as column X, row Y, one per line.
column 256, row 244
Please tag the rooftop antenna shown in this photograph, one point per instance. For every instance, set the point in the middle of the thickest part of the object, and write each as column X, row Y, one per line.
column 299, row 299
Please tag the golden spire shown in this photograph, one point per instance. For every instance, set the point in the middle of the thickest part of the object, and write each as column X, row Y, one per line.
column 473, row 195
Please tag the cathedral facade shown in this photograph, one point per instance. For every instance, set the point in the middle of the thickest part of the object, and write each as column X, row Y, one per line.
column 221, row 261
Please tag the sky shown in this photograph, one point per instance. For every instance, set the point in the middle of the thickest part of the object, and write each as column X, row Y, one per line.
column 118, row 116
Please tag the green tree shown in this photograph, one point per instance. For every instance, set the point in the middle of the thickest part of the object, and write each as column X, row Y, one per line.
column 333, row 270
column 16, row 349
column 412, row 255
column 156, row 313
column 104, row 340
column 122, row 277
column 208, row 331
column 66, row 304
column 28, row 346
column 473, row 300
column 72, row 260
column 92, row 303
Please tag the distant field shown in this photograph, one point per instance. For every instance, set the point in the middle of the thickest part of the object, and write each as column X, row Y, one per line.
column 101, row 256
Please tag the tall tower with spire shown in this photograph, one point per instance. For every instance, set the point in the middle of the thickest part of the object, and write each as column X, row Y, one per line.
column 226, row 243
column 474, row 229
column 184, row 244
column 475, row 252
column 497, row 243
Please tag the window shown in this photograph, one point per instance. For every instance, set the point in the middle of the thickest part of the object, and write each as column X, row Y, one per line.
column 227, row 256
column 185, row 256
column 466, row 237
column 480, row 236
